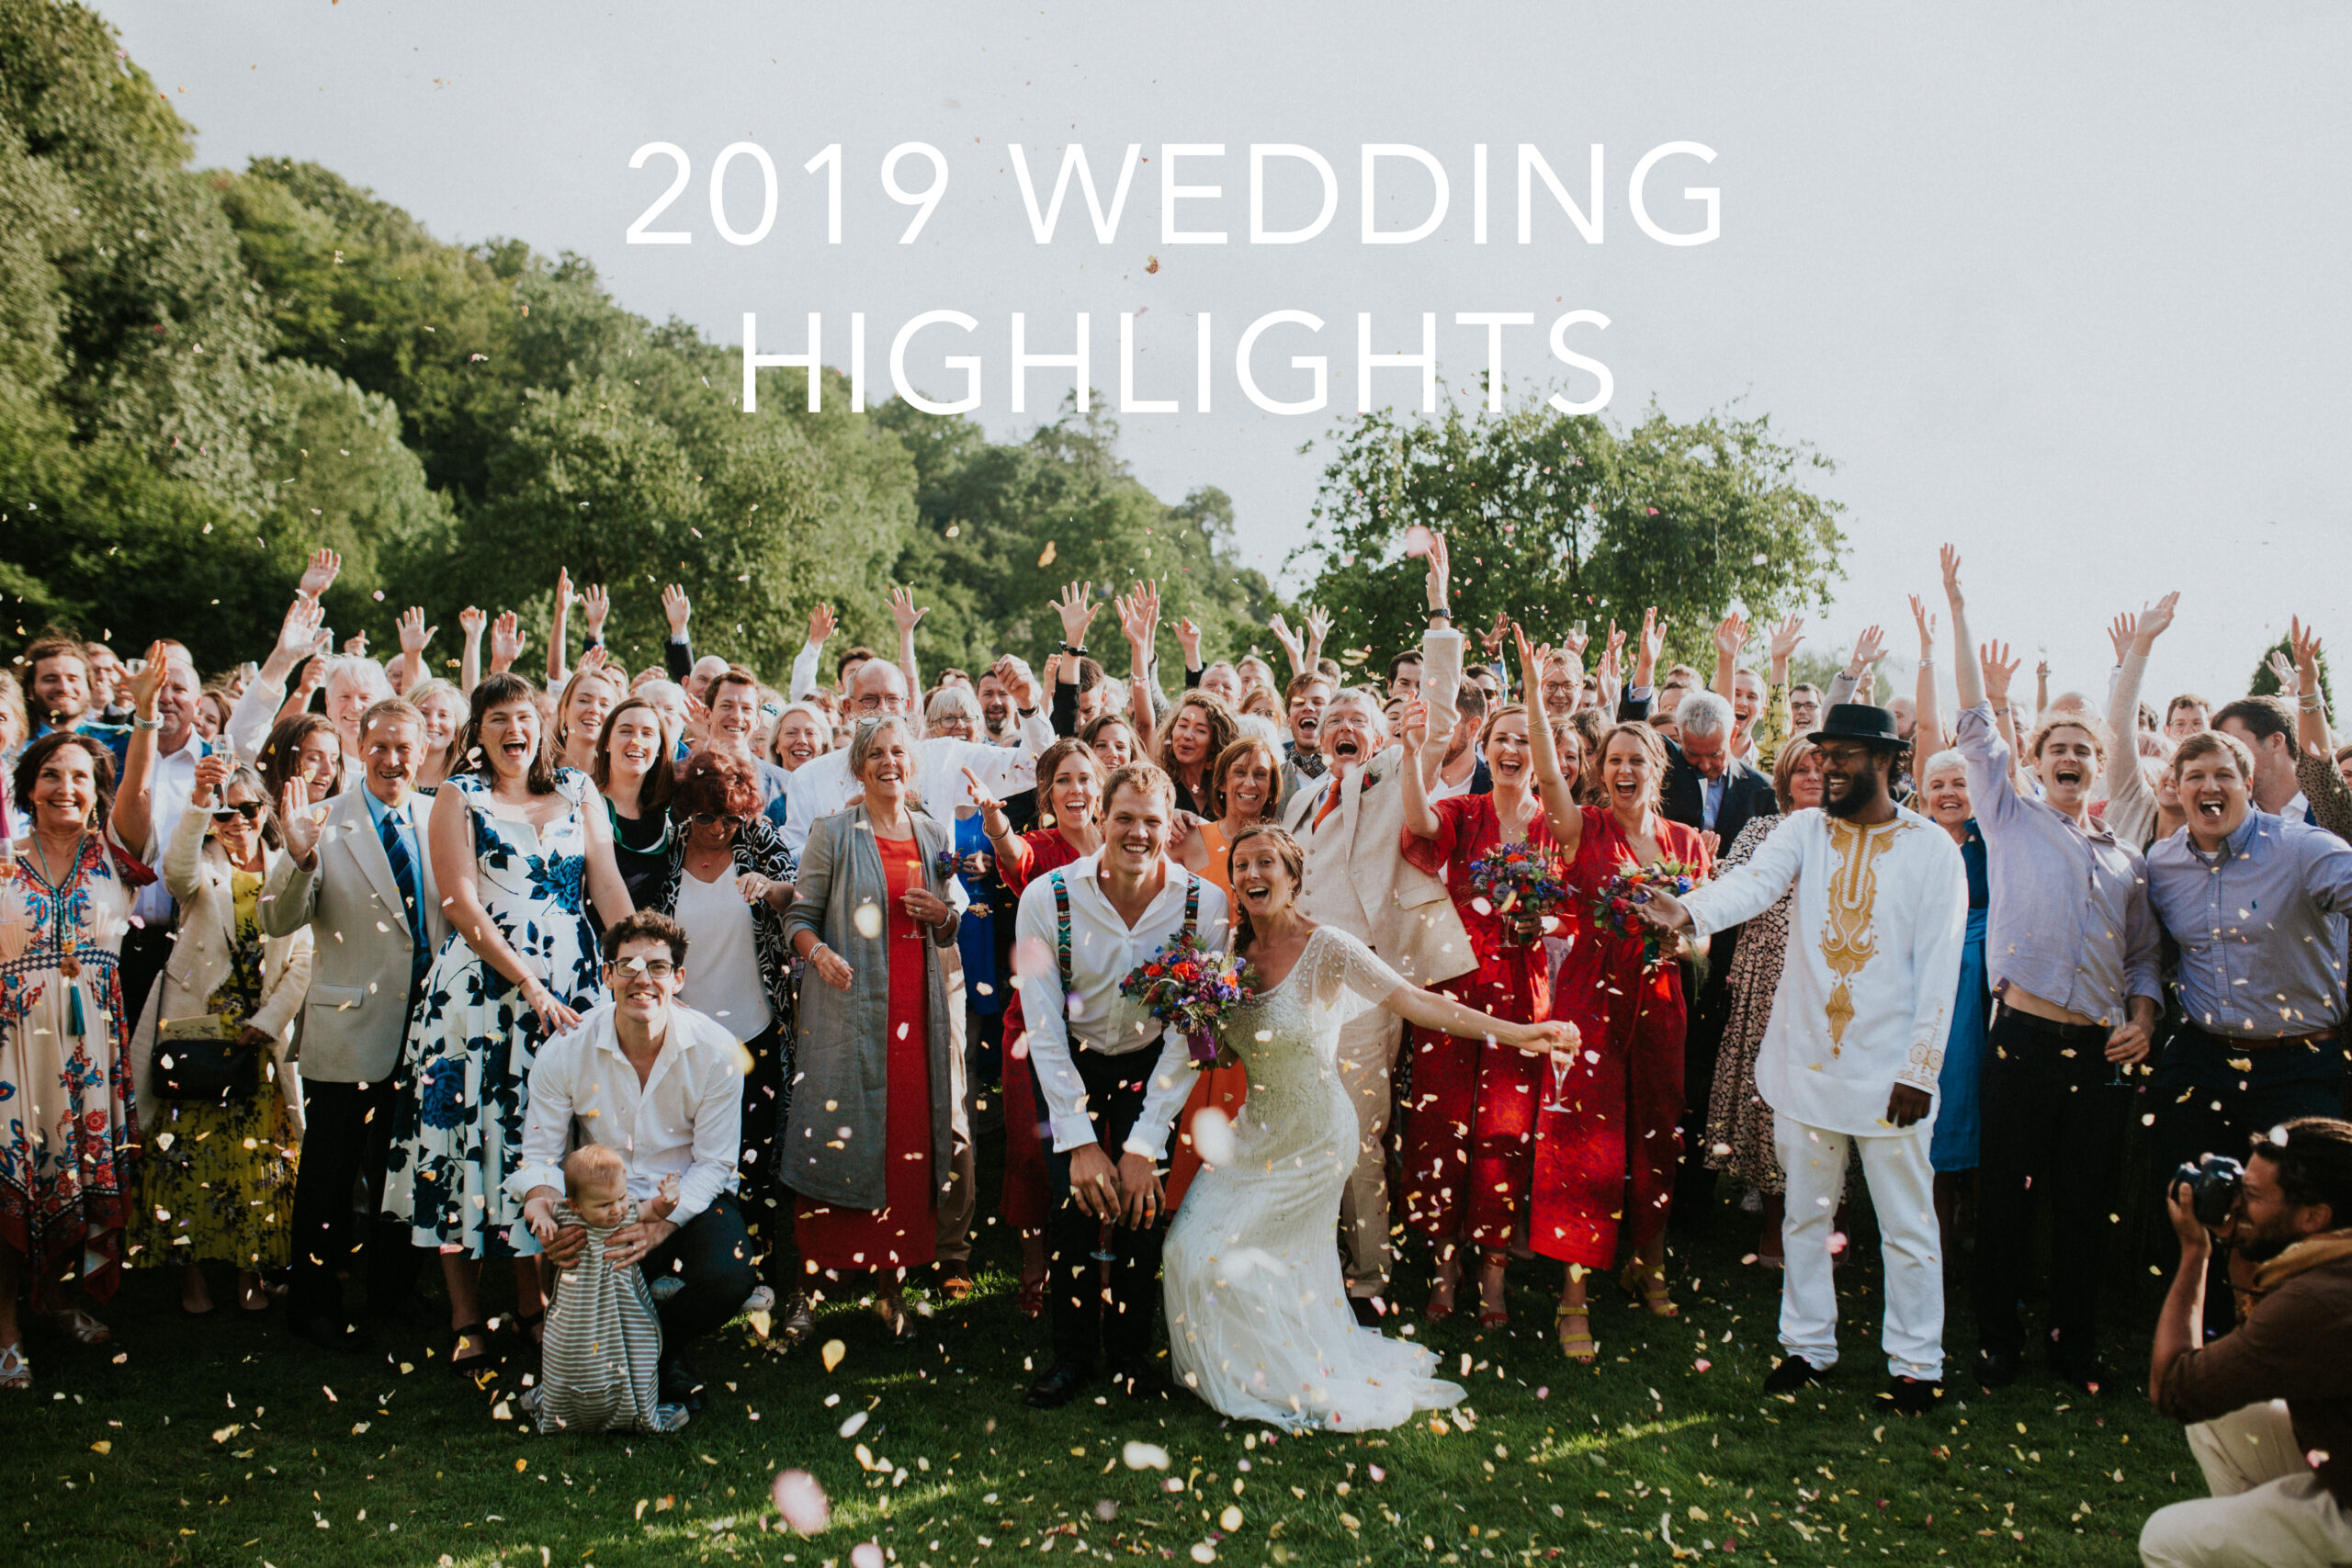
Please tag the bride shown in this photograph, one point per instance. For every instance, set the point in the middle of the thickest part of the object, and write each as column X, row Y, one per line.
column 1259, row 1323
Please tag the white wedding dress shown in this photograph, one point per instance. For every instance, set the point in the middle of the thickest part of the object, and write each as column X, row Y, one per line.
column 1258, row 1317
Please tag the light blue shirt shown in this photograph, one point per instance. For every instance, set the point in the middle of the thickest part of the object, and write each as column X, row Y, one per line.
column 2261, row 926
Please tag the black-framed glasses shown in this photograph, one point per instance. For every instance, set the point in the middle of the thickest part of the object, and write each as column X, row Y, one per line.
column 717, row 819
column 248, row 809
column 652, row 968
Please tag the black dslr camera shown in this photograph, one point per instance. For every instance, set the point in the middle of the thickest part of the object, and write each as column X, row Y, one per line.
column 2213, row 1182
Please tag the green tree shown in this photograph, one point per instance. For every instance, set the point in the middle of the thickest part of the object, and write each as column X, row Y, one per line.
column 1562, row 520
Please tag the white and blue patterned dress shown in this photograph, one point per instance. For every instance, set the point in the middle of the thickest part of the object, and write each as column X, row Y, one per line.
column 459, row 1127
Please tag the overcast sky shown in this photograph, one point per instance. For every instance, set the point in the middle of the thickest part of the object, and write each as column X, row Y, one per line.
column 2067, row 289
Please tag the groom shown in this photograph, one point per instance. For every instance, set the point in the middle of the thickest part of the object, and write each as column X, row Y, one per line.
column 1107, row 1080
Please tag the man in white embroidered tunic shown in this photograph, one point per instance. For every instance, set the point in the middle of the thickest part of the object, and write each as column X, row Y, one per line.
column 1857, row 1038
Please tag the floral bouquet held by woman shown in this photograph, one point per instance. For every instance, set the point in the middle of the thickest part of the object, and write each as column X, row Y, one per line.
column 1520, row 884
column 1191, row 990
column 1617, row 906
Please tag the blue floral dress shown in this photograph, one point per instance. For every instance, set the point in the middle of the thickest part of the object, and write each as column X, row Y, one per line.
column 458, row 1130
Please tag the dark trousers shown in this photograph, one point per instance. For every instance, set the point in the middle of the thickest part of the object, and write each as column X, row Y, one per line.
column 2052, row 1130
column 765, row 1206
column 1121, row 1326
column 1702, row 1039
column 144, row 949
column 348, row 1138
column 712, row 1253
column 2203, row 1104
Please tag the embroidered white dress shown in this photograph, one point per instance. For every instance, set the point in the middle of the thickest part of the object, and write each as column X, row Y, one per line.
column 1258, row 1318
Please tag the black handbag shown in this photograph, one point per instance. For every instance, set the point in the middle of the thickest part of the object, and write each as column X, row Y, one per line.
column 198, row 1058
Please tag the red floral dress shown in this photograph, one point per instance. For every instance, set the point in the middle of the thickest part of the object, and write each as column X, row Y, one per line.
column 1467, row 1169
column 1607, row 1128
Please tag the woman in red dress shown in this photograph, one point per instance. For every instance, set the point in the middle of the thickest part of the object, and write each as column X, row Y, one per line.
column 1469, row 1127
column 840, row 1228
column 1607, row 1140
column 1071, row 778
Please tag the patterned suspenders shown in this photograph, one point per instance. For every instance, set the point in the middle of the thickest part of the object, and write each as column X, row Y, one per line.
column 1061, row 920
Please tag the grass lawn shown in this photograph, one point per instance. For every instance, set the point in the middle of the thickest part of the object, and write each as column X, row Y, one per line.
column 220, row 1441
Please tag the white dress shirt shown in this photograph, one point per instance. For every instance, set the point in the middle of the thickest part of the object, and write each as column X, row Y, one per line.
column 1866, row 992
column 1103, row 950
column 823, row 785
column 686, row 1120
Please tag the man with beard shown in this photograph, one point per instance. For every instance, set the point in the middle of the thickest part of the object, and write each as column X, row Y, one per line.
column 1850, row 1058
column 1352, row 821
column 1111, row 1079
column 2270, row 1402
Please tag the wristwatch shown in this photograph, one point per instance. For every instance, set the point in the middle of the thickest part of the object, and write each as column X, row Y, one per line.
column 1075, row 649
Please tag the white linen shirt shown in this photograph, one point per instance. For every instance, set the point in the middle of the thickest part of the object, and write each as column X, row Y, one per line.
column 1103, row 949
column 823, row 785
column 1866, row 993
column 686, row 1120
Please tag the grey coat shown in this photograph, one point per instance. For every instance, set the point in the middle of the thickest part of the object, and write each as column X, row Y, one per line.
column 835, row 1137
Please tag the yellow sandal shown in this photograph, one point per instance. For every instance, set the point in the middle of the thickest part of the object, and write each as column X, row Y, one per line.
column 1647, row 1286
column 1581, row 1348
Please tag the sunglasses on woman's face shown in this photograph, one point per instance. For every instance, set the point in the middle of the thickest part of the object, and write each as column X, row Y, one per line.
column 716, row 818
column 248, row 809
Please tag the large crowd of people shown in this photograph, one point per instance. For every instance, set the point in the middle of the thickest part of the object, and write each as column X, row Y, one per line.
column 706, row 991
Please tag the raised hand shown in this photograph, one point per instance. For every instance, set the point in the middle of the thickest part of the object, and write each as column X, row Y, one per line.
column 1949, row 559
column 507, row 640
column 318, row 573
column 563, row 589
column 1653, row 643
column 2120, row 632
column 2290, row 684
column 1439, row 579
column 1785, row 638
column 1999, row 670
column 1869, row 648
column 1319, row 626
column 1134, row 622
column 299, row 821
column 1077, row 607
column 596, row 608
column 822, row 625
column 1575, row 641
column 414, row 633
column 1289, row 639
column 211, row 773
column 356, row 646
column 471, row 622
column 299, row 635
column 592, row 659
column 903, row 610
column 2307, row 650
column 1925, row 619
column 1493, row 637
column 982, row 801
column 2156, row 619
column 1413, row 726
column 1028, row 693
column 677, row 609
column 1731, row 634
column 1188, row 638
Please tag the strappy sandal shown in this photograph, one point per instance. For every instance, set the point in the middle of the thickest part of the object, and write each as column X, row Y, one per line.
column 1579, row 1348
column 1032, row 1298
column 479, row 1334
column 1647, row 1287
column 1495, row 1317
column 80, row 1327
column 15, row 1370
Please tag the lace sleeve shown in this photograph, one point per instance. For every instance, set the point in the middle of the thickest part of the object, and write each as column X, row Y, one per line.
column 1349, row 976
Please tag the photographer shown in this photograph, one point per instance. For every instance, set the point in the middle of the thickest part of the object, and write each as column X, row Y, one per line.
column 2271, row 1403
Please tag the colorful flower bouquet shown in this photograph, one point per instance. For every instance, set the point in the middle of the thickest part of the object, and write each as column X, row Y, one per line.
column 1514, row 881
column 1617, row 906
column 1191, row 990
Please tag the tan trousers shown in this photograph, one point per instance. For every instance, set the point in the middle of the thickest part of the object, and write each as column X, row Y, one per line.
column 1367, row 1051
column 2267, row 1510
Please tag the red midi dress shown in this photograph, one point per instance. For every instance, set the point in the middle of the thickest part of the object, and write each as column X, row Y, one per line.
column 903, row 1233
column 1469, row 1126
column 1607, row 1126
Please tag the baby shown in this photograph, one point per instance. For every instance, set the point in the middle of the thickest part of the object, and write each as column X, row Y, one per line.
column 600, row 1362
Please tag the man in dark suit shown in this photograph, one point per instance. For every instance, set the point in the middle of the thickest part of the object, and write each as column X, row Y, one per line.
column 1705, row 788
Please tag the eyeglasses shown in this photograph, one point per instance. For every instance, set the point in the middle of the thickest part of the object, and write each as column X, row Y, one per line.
column 652, row 968
column 248, row 809
column 719, row 819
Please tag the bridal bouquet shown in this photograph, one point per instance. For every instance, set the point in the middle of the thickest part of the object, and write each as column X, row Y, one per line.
column 1514, row 880
column 1191, row 990
column 1617, row 905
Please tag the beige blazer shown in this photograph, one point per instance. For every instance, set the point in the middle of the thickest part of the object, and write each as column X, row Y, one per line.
column 1357, row 876
column 197, row 874
column 357, row 1018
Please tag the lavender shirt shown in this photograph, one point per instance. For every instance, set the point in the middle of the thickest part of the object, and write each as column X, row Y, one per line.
column 2261, row 926
column 2070, row 919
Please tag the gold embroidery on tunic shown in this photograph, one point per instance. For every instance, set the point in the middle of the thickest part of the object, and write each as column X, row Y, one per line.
column 1850, row 935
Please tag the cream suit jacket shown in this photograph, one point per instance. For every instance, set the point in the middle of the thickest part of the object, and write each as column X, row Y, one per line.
column 1357, row 876
column 357, row 1013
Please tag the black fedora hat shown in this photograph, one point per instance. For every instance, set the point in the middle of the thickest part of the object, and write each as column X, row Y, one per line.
column 1858, row 721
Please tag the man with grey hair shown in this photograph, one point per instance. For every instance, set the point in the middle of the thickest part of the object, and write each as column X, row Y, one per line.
column 1351, row 822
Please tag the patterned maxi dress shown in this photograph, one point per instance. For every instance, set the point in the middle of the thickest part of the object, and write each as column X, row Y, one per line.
column 458, row 1127
column 1739, row 1125
column 217, row 1185
column 68, row 1126
column 1607, row 1138
column 1470, row 1127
